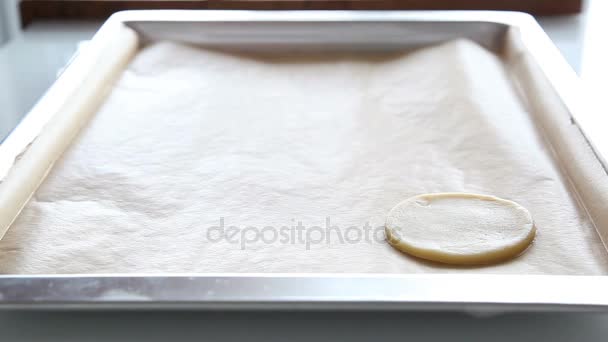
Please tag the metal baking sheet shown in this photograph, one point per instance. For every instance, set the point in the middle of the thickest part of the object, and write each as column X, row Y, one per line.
column 509, row 33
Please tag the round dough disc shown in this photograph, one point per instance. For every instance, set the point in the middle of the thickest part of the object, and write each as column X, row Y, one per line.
column 459, row 228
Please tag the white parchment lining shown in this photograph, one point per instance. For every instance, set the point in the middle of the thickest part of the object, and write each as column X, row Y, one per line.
column 191, row 142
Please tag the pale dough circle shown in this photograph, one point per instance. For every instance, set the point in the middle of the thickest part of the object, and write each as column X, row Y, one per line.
column 460, row 228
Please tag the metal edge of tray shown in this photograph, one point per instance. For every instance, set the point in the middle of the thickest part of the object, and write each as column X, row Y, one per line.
column 462, row 292
column 480, row 294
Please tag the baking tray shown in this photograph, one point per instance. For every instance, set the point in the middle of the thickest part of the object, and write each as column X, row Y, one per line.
column 516, row 36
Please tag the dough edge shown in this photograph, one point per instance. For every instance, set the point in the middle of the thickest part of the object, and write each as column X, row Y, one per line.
column 484, row 258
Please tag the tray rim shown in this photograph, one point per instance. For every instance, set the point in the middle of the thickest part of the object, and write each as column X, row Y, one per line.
column 340, row 291
column 289, row 291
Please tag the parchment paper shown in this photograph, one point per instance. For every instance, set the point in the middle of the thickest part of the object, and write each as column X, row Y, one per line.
column 192, row 139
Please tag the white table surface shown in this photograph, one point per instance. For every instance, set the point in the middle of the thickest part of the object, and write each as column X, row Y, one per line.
column 28, row 66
